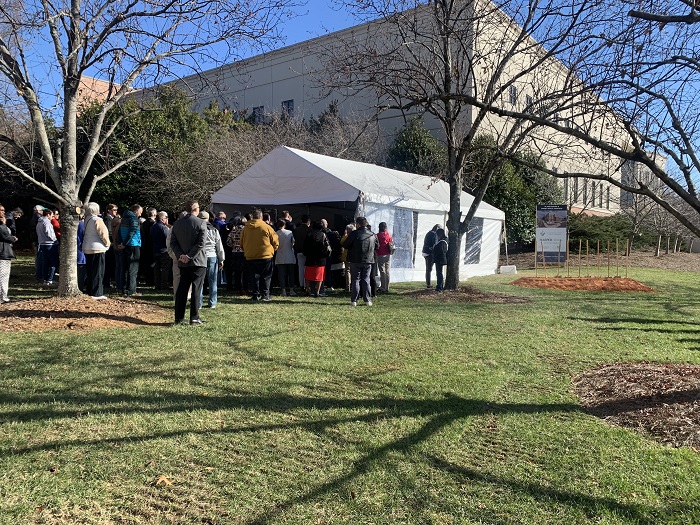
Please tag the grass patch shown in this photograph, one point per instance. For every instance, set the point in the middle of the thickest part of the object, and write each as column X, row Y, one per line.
column 310, row 411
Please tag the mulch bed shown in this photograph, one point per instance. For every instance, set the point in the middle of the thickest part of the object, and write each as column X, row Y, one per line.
column 659, row 400
column 80, row 314
column 611, row 284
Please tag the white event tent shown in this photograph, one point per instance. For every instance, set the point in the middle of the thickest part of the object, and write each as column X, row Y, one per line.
column 339, row 190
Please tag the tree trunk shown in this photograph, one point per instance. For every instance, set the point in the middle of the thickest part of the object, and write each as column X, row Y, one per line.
column 668, row 244
column 454, row 237
column 630, row 240
column 68, row 253
column 657, row 252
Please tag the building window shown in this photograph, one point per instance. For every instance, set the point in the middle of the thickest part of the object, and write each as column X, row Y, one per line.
column 585, row 192
column 513, row 95
column 288, row 107
column 600, row 196
column 566, row 188
column 593, row 188
column 528, row 103
column 575, row 189
column 607, row 199
column 258, row 114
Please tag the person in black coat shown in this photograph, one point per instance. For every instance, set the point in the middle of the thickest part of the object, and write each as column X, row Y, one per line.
column 7, row 239
column 440, row 259
column 316, row 250
column 428, row 244
column 361, row 245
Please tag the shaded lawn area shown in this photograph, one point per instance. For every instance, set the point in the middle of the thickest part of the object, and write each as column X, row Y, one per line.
column 310, row 411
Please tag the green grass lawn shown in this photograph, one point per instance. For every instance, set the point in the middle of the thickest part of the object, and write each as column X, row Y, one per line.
column 309, row 411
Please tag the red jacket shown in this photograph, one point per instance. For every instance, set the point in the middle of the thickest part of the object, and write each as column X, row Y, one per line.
column 384, row 239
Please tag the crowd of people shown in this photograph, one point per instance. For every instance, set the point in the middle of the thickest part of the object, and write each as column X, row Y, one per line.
column 201, row 252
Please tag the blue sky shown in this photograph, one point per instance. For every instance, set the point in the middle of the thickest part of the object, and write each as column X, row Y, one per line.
column 317, row 18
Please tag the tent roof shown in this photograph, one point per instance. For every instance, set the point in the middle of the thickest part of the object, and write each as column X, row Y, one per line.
column 292, row 176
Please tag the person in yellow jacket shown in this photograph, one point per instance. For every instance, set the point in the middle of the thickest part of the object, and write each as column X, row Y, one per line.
column 259, row 242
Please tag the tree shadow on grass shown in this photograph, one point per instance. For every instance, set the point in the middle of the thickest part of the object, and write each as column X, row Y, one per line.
column 590, row 505
column 649, row 325
column 439, row 412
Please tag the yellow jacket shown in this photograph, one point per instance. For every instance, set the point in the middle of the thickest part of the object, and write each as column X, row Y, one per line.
column 259, row 240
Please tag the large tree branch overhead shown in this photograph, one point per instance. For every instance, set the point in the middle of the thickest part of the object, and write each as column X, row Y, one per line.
column 47, row 48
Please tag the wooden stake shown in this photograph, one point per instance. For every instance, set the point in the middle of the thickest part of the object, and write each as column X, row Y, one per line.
column 535, row 258
column 627, row 262
column 544, row 262
column 580, row 245
column 568, row 255
column 559, row 260
column 588, row 268
column 608, row 258
column 617, row 257
column 598, row 255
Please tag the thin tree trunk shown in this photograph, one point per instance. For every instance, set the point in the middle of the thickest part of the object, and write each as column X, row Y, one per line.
column 658, row 246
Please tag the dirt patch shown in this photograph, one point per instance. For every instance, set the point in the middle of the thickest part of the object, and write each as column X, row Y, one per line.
column 659, row 400
column 680, row 261
column 583, row 283
column 80, row 314
column 465, row 294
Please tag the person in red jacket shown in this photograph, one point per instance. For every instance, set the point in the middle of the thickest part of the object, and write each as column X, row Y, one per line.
column 384, row 256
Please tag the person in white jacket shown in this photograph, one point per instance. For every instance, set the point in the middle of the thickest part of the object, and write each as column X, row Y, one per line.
column 214, row 252
column 95, row 245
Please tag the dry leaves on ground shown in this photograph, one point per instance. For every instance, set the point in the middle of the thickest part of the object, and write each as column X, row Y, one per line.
column 613, row 284
column 79, row 313
column 657, row 399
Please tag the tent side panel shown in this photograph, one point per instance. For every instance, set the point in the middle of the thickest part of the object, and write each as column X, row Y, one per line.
column 480, row 249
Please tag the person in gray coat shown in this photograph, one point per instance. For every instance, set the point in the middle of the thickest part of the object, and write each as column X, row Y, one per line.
column 187, row 243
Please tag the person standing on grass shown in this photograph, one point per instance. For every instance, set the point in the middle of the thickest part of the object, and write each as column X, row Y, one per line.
column 440, row 258
column 236, row 278
column 162, row 264
column 48, row 246
column 146, row 256
column 259, row 242
column 316, row 249
column 187, row 237
column 214, row 252
column 110, row 258
column 95, row 246
column 37, row 214
column 130, row 244
column 7, row 253
column 384, row 257
column 285, row 258
column 346, row 265
column 300, row 232
column 428, row 244
column 361, row 245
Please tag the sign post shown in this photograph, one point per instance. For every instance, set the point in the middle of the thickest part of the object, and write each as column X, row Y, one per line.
column 551, row 232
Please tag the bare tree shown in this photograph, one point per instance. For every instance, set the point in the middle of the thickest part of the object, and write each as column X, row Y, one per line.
column 633, row 99
column 123, row 42
column 226, row 153
column 468, row 65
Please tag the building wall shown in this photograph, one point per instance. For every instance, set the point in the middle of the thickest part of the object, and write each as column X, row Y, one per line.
column 267, row 82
